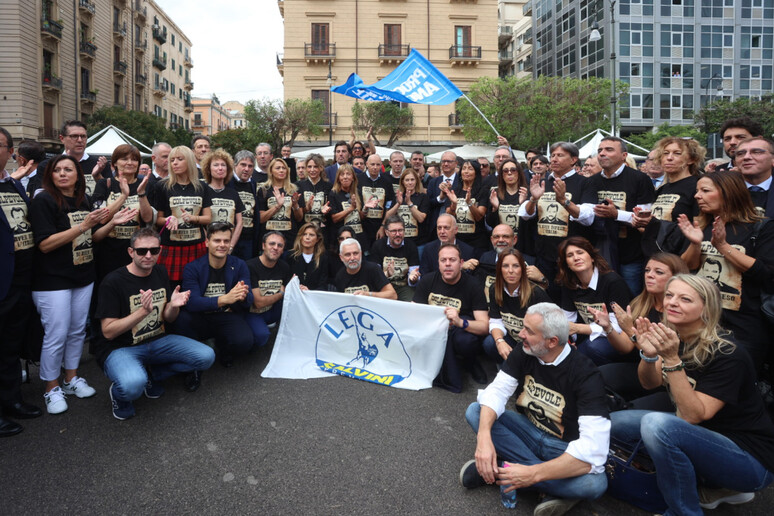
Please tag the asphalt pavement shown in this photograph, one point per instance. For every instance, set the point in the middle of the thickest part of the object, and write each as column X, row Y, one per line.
column 243, row 444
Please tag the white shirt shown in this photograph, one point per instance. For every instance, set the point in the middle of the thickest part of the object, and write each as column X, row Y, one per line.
column 765, row 185
column 596, row 330
column 624, row 216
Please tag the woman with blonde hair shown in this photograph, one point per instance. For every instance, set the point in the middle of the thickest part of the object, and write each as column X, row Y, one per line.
column 227, row 206
column 346, row 205
column 314, row 190
column 413, row 205
column 681, row 160
column 308, row 259
column 278, row 201
column 183, row 205
column 718, row 447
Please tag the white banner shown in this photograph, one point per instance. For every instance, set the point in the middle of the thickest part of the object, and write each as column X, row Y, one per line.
column 381, row 341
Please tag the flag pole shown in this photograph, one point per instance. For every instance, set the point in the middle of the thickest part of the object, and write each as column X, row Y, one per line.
column 497, row 133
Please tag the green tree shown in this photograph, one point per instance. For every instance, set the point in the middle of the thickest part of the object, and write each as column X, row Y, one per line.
column 712, row 116
column 280, row 123
column 383, row 118
column 145, row 127
column 302, row 116
column 648, row 140
column 235, row 140
column 533, row 113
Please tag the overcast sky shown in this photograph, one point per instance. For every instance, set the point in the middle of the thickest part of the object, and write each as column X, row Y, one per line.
column 234, row 46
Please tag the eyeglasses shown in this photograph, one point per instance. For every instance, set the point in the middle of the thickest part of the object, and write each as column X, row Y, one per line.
column 753, row 152
column 77, row 136
column 142, row 251
column 448, row 161
column 396, row 231
column 510, row 170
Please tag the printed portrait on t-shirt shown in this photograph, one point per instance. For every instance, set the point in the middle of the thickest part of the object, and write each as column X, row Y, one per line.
column 352, row 219
column 153, row 323
column 90, row 183
column 186, row 231
column 267, row 288
column 81, row 245
column 583, row 310
column 488, row 282
column 223, row 210
column 718, row 270
column 513, row 325
column 465, row 223
column 400, row 268
column 619, row 201
column 280, row 221
column 664, row 205
column 409, row 222
column 509, row 215
column 352, row 290
column 553, row 218
column 15, row 210
column 544, row 407
column 248, row 199
column 368, row 194
column 126, row 230
column 315, row 214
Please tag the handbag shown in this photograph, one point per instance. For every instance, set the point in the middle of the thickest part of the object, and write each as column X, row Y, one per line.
column 631, row 477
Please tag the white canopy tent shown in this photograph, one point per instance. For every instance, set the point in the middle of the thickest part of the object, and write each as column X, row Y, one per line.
column 473, row 151
column 327, row 152
column 591, row 147
column 104, row 142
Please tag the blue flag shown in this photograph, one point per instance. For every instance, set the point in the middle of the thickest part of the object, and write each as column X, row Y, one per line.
column 415, row 81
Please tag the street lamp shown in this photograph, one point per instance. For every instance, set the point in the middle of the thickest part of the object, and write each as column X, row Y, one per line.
column 330, row 95
column 596, row 36
column 716, row 75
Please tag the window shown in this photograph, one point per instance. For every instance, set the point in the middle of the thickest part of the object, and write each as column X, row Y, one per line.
column 173, row 40
column 172, row 85
column 755, row 72
column 728, row 40
column 320, row 38
column 116, row 93
column 322, row 96
column 392, row 46
column 636, row 38
column 173, row 64
column 85, row 80
column 635, row 101
column 462, row 40
column 635, row 70
column 677, row 39
column 676, row 101
column 755, row 41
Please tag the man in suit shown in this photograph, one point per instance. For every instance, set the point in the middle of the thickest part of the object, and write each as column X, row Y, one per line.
column 446, row 228
column 341, row 155
column 734, row 131
column 755, row 160
column 263, row 156
column 438, row 186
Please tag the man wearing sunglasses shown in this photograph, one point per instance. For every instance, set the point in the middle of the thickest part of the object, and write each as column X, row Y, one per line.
column 136, row 303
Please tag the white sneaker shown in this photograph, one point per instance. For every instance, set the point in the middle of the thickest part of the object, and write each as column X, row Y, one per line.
column 55, row 401
column 79, row 388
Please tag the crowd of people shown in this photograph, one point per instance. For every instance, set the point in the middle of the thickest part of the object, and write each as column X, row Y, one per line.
column 583, row 282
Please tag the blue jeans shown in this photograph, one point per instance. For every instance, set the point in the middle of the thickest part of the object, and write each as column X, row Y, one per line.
column 682, row 452
column 168, row 355
column 517, row 440
column 633, row 273
column 490, row 347
column 259, row 324
column 600, row 351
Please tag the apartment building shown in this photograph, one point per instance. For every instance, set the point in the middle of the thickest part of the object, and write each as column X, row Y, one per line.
column 514, row 31
column 237, row 114
column 62, row 59
column 327, row 38
column 209, row 116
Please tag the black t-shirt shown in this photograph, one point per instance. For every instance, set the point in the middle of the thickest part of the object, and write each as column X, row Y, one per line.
column 87, row 165
column 730, row 378
column 369, row 278
column 402, row 259
column 246, row 192
column 16, row 212
column 470, row 231
column 381, row 189
column 106, row 193
column 415, row 231
column 554, row 397
column 611, row 288
column 216, row 285
column 511, row 311
column 626, row 190
column 486, row 271
column 552, row 221
column 395, row 181
column 312, row 276
column 175, row 201
column 342, row 201
column 467, row 295
column 282, row 221
column 675, row 199
column 506, row 213
column 741, row 291
column 225, row 205
column 268, row 280
column 70, row 265
column 119, row 296
column 320, row 191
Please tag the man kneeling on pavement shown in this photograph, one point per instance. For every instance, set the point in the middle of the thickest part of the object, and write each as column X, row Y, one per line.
column 135, row 303
column 557, row 443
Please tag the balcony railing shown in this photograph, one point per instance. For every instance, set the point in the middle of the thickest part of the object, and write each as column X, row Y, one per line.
column 119, row 30
column 454, row 120
column 333, row 121
column 51, row 28
column 527, row 9
column 140, row 45
column 505, row 56
column 188, row 62
column 140, row 10
column 319, row 50
column 464, row 52
column 89, row 96
column 51, row 81
column 188, row 84
column 159, row 90
column 48, row 133
column 391, row 51
column 120, row 67
column 187, row 106
column 88, row 49
column 198, row 122
column 527, row 36
column 160, row 35
column 87, row 6
column 140, row 79
column 160, row 62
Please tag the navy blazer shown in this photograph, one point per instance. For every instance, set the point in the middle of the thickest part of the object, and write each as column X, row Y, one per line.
column 429, row 261
column 196, row 275
column 433, row 191
column 7, row 261
column 770, row 203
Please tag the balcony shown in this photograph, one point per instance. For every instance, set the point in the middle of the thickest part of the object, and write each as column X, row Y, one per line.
column 464, row 54
column 319, row 52
column 159, row 35
column 49, row 133
column 140, row 11
column 140, row 45
column 281, row 5
column 188, row 62
column 527, row 9
column 51, row 82
column 119, row 30
column 527, row 36
column 159, row 91
column 188, row 84
column 504, row 34
column 160, row 62
column 187, row 106
column 198, row 123
column 505, row 57
column 51, row 29
column 120, row 67
column 89, row 97
column 87, row 7
column 281, row 63
column 140, row 79
column 390, row 53
column 88, row 49
column 331, row 122
column 454, row 122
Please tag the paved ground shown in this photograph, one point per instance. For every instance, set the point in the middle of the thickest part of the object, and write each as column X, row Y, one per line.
column 243, row 444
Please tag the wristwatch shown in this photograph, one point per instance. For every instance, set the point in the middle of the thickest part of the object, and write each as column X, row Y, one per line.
column 567, row 203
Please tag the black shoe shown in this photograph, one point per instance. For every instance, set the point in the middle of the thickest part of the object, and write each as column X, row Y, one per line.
column 470, row 477
column 193, row 381
column 21, row 410
column 477, row 372
column 226, row 361
column 9, row 428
